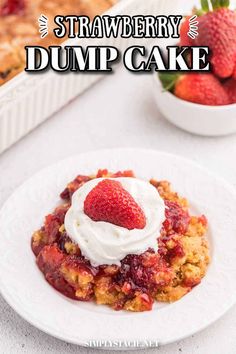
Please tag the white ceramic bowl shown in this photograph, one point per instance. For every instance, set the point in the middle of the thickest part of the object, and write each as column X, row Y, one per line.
column 192, row 117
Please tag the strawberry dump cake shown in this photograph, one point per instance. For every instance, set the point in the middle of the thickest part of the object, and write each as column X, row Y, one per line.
column 19, row 27
column 122, row 242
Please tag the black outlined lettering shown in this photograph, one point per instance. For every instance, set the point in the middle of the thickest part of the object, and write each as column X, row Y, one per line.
column 37, row 58
column 175, row 23
column 130, row 58
column 61, row 31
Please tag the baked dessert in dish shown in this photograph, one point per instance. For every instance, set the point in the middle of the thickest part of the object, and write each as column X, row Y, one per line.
column 122, row 242
column 19, row 27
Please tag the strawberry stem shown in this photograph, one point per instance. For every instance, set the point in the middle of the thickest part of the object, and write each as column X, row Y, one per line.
column 205, row 5
column 215, row 4
column 224, row 3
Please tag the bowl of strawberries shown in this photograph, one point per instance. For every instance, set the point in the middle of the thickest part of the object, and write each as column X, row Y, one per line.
column 204, row 103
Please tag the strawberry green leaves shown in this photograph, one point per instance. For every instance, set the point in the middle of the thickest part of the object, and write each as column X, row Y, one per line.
column 169, row 80
column 214, row 4
column 205, row 5
column 224, row 3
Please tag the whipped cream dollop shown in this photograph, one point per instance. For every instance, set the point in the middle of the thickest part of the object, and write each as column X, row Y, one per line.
column 105, row 243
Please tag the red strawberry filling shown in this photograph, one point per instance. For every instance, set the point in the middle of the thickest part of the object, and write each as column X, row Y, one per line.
column 110, row 202
column 177, row 219
column 165, row 276
column 12, row 7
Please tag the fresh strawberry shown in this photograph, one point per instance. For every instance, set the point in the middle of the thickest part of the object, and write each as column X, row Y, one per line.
column 234, row 74
column 185, row 40
column 230, row 87
column 201, row 88
column 217, row 30
column 110, row 202
column 12, row 7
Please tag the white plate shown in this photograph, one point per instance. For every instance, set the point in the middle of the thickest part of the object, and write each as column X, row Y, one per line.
column 25, row 289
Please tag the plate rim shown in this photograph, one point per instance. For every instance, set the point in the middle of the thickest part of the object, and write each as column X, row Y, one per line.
column 82, row 343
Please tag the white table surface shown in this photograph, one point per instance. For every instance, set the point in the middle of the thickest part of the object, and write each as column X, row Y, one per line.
column 119, row 111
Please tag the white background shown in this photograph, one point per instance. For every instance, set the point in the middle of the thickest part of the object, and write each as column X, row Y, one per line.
column 119, row 111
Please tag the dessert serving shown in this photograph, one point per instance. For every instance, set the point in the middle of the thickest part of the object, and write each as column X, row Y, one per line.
column 19, row 27
column 216, row 29
column 122, row 242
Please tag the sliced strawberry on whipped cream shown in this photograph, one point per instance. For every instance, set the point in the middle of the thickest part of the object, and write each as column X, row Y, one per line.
column 110, row 218
column 109, row 201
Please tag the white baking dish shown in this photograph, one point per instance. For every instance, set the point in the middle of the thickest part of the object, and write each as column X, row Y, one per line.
column 28, row 99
